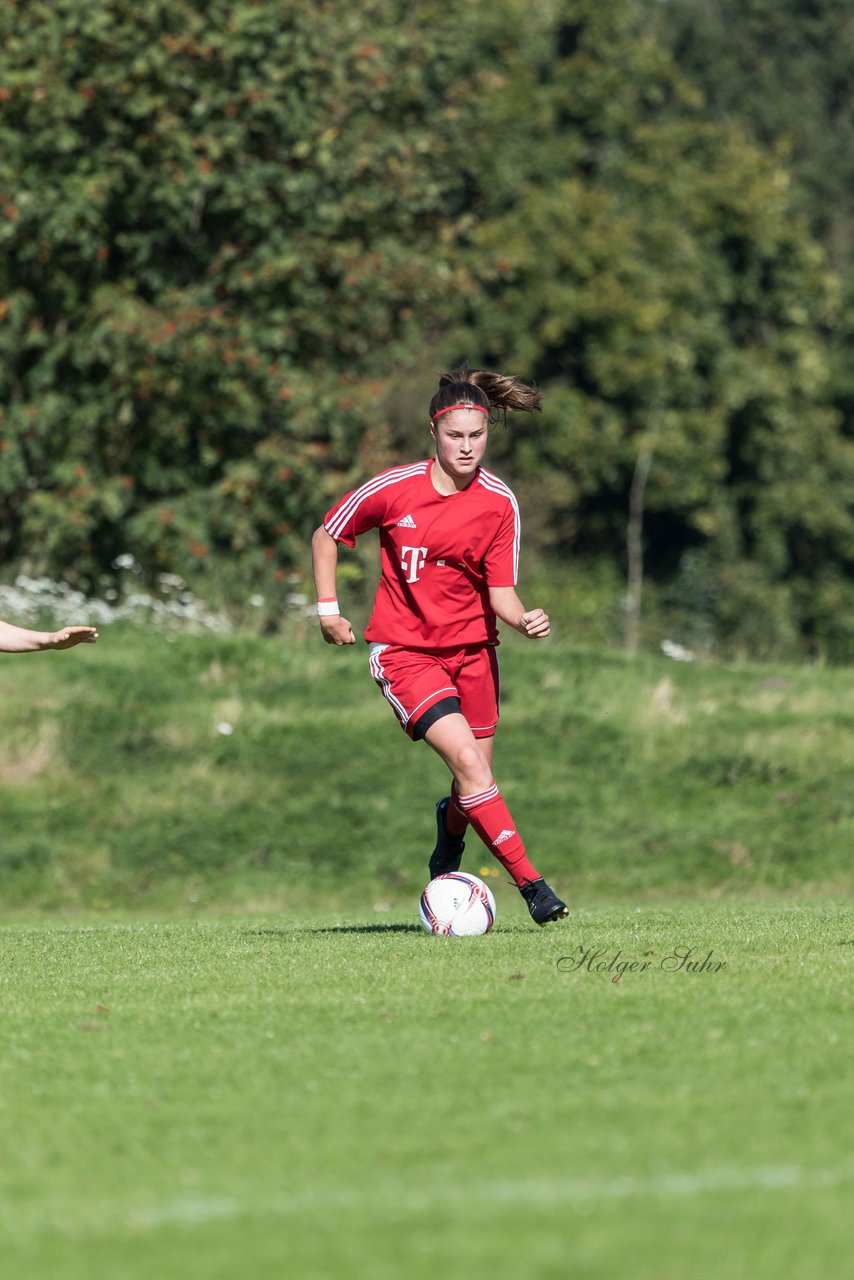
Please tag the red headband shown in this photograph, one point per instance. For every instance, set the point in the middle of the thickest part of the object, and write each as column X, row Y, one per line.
column 451, row 408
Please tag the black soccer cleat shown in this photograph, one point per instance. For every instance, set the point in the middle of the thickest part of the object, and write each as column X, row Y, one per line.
column 543, row 903
column 448, row 854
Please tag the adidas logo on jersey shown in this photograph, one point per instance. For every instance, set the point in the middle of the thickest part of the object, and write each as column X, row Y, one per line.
column 407, row 522
column 505, row 835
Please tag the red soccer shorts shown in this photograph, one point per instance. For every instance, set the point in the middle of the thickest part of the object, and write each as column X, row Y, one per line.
column 415, row 680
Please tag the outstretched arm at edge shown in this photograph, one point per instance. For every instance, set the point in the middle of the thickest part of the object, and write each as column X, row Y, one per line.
column 19, row 640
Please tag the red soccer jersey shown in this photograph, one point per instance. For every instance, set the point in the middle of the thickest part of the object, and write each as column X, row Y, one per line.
column 440, row 554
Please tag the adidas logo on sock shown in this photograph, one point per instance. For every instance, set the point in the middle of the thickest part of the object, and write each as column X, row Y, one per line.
column 407, row 522
column 505, row 835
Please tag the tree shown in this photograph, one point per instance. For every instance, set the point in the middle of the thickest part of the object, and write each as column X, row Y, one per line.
column 225, row 228
column 784, row 69
column 219, row 227
column 648, row 266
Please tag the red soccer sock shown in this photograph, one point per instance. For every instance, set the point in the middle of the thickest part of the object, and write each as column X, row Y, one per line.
column 456, row 822
column 491, row 819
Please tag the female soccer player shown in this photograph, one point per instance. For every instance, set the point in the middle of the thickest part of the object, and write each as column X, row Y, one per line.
column 20, row 640
column 449, row 538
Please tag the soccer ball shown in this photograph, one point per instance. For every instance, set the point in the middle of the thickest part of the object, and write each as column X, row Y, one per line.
column 457, row 906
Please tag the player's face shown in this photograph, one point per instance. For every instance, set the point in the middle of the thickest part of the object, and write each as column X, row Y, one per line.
column 460, row 439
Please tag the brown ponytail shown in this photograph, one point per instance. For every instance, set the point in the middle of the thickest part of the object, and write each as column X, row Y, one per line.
column 496, row 392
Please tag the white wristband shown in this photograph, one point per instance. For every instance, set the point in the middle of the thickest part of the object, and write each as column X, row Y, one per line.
column 327, row 609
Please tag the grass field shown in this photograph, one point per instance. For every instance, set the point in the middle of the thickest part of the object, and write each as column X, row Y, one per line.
column 229, row 1050
column 335, row 1097
column 193, row 773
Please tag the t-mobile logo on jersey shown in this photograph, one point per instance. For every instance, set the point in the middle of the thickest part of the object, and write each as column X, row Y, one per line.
column 412, row 559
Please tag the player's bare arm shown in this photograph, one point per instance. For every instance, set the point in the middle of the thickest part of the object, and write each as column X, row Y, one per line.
column 509, row 608
column 324, row 560
column 21, row 640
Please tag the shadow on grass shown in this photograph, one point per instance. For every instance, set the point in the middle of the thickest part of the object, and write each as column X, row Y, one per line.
column 335, row 928
column 369, row 928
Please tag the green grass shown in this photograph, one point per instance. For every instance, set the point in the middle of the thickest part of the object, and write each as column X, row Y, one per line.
column 649, row 778
column 229, row 1050
column 341, row 1096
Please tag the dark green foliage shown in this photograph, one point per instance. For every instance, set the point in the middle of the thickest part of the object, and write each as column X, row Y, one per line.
column 785, row 68
column 659, row 284
column 218, row 227
column 784, row 72
column 239, row 240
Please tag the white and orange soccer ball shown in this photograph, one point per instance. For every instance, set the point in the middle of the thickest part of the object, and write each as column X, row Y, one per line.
column 457, row 905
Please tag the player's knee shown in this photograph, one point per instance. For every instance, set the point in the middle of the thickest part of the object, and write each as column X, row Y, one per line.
column 471, row 767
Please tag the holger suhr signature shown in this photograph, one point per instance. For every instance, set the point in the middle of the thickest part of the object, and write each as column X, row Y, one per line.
column 603, row 960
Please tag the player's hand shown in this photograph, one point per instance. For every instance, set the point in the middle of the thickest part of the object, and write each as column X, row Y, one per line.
column 68, row 637
column 535, row 623
column 337, row 630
